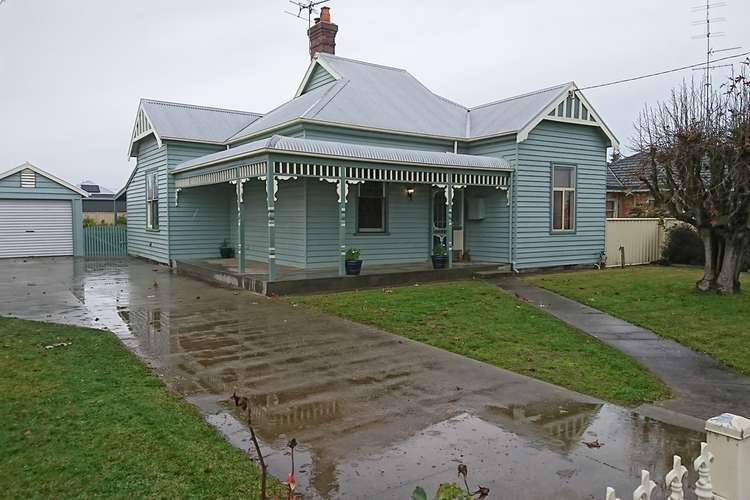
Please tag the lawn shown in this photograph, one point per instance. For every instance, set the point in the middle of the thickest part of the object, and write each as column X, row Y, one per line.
column 88, row 419
column 664, row 300
column 478, row 320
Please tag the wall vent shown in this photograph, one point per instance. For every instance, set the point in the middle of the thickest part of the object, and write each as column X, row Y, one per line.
column 28, row 179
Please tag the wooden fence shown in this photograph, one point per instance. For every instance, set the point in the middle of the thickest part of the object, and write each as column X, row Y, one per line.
column 639, row 241
column 105, row 240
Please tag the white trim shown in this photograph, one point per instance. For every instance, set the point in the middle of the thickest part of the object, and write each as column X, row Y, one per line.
column 323, row 64
column 523, row 133
column 152, row 130
column 39, row 171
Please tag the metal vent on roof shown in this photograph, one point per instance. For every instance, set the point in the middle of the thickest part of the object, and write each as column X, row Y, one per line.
column 28, row 178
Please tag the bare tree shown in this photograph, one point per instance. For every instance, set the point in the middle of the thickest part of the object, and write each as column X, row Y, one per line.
column 696, row 147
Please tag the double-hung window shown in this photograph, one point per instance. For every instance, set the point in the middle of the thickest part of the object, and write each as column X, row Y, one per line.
column 371, row 208
column 563, row 198
column 152, row 201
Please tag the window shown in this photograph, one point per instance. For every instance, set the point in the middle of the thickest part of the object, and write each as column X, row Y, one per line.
column 152, row 201
column 563, row 198
column 611, row 209
column 371, row 208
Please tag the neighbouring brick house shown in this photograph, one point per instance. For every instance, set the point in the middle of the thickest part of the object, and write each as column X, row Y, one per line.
column 625, row 190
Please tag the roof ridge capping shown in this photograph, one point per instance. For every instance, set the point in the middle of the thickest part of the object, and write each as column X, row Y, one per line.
column 527, row 94
column 198, row 106
column 325, row 55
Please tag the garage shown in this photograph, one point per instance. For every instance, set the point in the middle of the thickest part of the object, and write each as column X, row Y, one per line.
column 40, row 215
column 35, row 228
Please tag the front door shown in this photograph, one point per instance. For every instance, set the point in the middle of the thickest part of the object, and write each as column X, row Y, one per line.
column 439, row 219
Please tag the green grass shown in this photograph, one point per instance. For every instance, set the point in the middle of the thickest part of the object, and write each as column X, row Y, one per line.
column 478, row 320
column 665, row 301
column 89, row 419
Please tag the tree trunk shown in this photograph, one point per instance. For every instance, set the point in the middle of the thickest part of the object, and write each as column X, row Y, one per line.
column 710, row 269
column 728, row 280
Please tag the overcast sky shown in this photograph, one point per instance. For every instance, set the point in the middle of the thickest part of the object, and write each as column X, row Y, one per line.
column 72, row 71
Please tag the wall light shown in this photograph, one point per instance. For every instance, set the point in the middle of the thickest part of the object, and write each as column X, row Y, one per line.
column 410, row 192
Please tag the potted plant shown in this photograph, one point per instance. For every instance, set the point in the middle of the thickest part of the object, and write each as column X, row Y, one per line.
column 439, row 257
column 226, row 251
column 353, row 262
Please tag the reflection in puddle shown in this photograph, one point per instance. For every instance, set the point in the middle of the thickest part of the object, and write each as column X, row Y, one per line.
column 565, row 422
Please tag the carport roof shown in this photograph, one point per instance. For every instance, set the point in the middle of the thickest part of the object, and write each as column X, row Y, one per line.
column 346, row 151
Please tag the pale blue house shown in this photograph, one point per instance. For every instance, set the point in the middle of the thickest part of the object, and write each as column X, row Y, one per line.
column 366, row 156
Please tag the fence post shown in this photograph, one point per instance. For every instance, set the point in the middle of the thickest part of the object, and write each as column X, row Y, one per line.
column 728, row 437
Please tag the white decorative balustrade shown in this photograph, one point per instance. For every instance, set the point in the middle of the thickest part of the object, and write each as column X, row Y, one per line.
column 723, row 466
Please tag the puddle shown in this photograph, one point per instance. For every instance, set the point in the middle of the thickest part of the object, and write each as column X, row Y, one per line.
column 374, row 417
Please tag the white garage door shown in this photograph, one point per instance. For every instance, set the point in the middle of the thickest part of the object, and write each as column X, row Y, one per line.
column 35, row 228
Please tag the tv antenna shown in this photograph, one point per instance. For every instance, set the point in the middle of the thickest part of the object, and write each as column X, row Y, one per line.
column 309, row 6
column 708, row 22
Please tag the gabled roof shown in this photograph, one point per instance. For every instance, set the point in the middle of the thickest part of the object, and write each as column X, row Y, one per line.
column 347, row 151
column 187, row 122
column 347, row 92
column 514, row 113
column 39, row 171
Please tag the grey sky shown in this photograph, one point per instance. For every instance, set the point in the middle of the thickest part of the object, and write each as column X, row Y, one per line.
column 71, row 72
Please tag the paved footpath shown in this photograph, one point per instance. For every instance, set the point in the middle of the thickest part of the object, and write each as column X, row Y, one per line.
column 701, row 387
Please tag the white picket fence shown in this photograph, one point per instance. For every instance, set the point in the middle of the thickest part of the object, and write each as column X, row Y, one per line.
column 633, row 242
column 729, row 465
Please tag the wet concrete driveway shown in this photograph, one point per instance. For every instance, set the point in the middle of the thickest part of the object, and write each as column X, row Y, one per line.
column 375, row 415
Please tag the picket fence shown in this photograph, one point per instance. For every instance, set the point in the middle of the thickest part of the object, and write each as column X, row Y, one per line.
column 722, row 466
column 105, row 240
column 673, row 480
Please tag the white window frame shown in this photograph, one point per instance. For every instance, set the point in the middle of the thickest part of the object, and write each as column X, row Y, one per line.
column 384, row 198
column 152, row 200
column 615, row 208
column 571, row 192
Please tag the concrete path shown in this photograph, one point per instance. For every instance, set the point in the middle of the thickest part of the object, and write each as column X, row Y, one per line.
column 701, row 387
column 374, row 414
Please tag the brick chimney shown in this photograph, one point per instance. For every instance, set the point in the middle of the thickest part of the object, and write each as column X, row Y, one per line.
column 323, row 34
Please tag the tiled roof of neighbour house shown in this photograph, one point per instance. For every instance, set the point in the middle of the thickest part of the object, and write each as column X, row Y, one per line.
column 195, row 123
column 380, row 97
column 627, row 172
column 293, row 145
column 613, row 183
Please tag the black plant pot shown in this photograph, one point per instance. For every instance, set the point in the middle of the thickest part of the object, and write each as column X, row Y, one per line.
column 439, row 261
column 226, row 252
column 353, row 267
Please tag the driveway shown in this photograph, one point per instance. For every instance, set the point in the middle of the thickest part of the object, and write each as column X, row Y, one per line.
column 375, row 414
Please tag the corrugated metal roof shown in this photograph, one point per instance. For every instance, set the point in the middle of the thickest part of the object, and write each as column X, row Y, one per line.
column 195, row 123
column 512, row 114
column 292, row 145
column 382, row 97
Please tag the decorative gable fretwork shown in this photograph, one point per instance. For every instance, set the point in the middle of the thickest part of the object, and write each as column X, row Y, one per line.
column 573, row 109
column 142, row 125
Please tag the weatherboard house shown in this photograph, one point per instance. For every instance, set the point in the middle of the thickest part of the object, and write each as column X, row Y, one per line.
column 366, row 156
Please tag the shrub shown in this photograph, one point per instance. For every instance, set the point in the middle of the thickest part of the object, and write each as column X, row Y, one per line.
column 352, row 254
column 439, row 250
column 683, row 246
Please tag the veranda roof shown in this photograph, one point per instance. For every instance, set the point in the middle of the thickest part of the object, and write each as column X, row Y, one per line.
column 347, row 151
